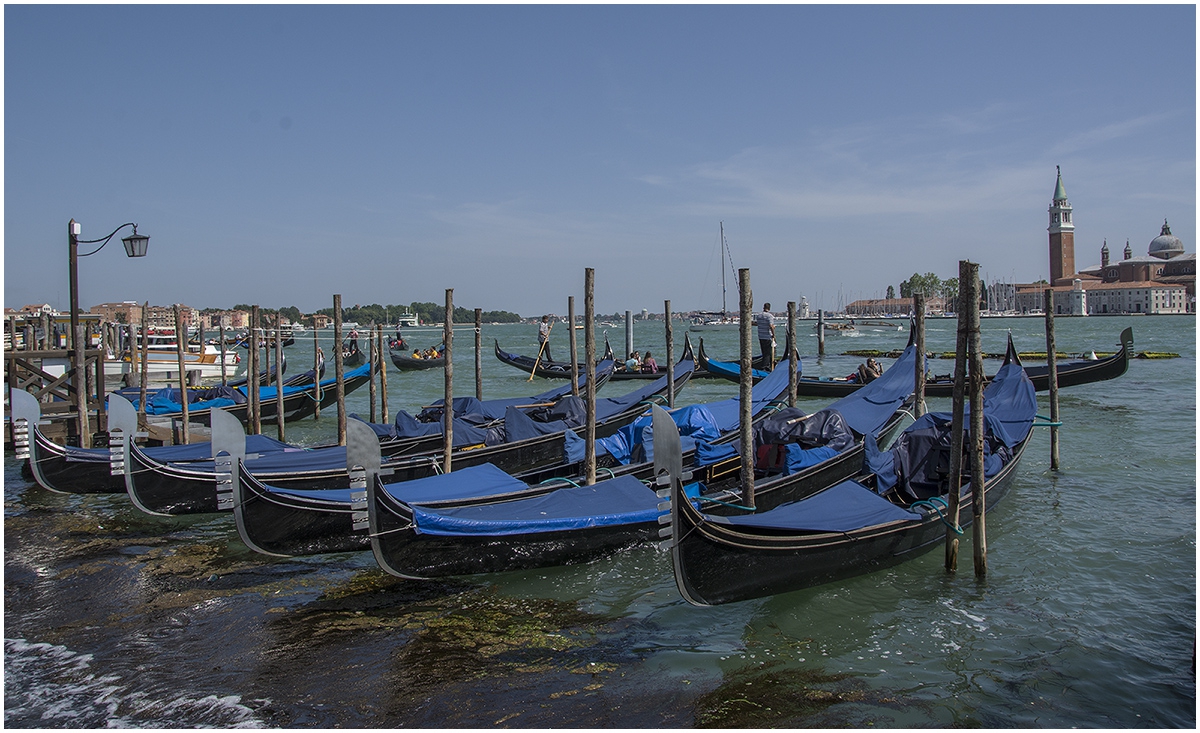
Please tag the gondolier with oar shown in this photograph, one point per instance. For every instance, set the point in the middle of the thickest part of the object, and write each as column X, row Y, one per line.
column 544, row 339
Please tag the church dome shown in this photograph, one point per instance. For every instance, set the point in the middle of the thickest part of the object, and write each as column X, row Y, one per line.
column 1166, row 245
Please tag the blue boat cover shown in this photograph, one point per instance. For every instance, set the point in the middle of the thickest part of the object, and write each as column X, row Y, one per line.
column 611, row 406
column 519, row 426
column 465, row 483
column 727, row 413
column 1011, row 399
column 868, row 408
column 845, row 507
column 184, row 453
column 328, row 458
column 694, row 421
column 166, row 401
column 1009, row 405
column 482, row 411
column 619, row 501
column 733, row 369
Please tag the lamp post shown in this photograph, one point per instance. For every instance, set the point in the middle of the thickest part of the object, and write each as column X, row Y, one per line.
column 135, row 246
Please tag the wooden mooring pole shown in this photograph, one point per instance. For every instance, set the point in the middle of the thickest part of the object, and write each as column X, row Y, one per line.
column 820, row 332
column 279, row 379
column 746, row 386
column 1052, row 365
column 383, row 400
column 479, row 353
column 373, row 356
column 956, row 425
column 224, row 374
column 316, row 371
column 338, row 367
column 180, row 341
column 919, row 384
column 670, row 355
column 589, row 387
column 978, row 497
column 574, row 346
column 144, row 366
column 254, row 412
column 448, row 398
column 793, row 354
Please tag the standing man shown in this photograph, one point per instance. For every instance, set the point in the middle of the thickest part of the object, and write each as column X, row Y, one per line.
column 766, row 335
column 544, row 339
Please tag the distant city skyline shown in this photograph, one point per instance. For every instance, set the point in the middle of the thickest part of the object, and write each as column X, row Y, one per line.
column 278, row 154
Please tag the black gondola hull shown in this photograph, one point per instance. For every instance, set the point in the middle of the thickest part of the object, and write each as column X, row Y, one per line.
column 718, row 564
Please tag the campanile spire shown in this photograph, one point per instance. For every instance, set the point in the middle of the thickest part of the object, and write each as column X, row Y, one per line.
column 1062, row 234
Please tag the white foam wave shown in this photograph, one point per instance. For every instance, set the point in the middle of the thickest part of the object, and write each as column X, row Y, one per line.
column 47, row 685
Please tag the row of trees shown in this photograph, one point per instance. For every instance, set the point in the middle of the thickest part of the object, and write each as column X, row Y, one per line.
column 429, row 313
column 929, row 285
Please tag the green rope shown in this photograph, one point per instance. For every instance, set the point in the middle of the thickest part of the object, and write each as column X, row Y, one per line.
column 725, row 503
column 567, row 480
column 930, row 503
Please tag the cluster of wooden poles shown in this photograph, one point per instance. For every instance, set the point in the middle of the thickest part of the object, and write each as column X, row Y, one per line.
column 969, row 380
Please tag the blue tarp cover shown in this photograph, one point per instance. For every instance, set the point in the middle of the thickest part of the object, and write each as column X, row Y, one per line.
column 842, row 508
column 619, row 501
column 464, row 483
column 184, row 453
column 694, row 421
column 869, row 407
column 1009, row 405
column 166, row 401
column 480, row 411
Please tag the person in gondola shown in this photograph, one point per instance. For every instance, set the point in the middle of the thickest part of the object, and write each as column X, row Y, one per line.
column 634, row 362
column 766, row 335
column 867, row 372
column 354, row 339
column 649, row 365
column 400, row 344
column 544, row 339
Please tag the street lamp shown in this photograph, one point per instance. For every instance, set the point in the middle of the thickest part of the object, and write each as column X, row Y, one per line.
column 135, row 246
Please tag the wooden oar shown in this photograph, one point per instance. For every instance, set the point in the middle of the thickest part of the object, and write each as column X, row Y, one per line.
column 539, row 356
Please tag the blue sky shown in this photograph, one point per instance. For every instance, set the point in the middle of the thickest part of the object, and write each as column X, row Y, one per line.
column 280, row 154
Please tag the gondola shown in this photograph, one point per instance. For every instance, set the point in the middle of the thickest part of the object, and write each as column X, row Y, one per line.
column 419, row 531
column 74, row 470
column 351, row 354
column 298, row 400
column 850, row 526
column 1070, row 374
column 164, row 488
column 279, row 521
column 549, row 369
column 730, row 370
column 71, row 470
column 404, row 359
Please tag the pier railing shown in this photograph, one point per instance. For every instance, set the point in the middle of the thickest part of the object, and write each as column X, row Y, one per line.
column 49, row 375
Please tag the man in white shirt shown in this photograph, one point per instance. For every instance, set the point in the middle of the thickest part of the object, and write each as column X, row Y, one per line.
column 766, row 335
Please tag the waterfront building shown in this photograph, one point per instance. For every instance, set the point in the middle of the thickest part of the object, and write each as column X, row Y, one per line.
column 128, row 311
column 893, row 307
column 1163, row 281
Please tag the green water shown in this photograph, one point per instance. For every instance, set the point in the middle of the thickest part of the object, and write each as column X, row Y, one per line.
column 1086, row 617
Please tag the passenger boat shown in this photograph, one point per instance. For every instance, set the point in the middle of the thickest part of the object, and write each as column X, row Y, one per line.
column 407, row 360
column 351, row 354
column 845, row 526
column 162, row 356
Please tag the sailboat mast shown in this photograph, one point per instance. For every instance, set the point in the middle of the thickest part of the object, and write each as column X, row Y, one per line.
column 724, row 312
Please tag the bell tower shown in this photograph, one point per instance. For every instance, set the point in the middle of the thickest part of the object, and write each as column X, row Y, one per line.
column 1062, row 234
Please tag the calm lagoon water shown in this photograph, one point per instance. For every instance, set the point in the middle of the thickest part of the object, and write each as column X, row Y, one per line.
column 1087, row 616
